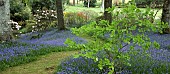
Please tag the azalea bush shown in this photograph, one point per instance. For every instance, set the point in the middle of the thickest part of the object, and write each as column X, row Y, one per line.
column 112, row 44
column 78, row 19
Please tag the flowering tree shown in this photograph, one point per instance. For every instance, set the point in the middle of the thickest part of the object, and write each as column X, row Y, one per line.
column 5, row 29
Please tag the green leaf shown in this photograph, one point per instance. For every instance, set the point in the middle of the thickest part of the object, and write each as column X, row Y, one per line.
column 156, row 45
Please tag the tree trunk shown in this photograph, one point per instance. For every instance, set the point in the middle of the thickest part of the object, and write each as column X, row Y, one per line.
column 5, row 28
column 166, row 15
column 123, row 1
column 88, row 3
column 74, row 2
column 107, row 16
column 116, row 2
column 60, row 18
column 77, row 1
column 102, row 6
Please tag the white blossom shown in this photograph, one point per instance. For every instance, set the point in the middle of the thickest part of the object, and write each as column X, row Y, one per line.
column 52, row 15
column 52, row 10
column 18, row 27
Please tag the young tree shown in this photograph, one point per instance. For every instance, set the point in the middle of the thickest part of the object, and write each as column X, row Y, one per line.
column 60, row 18
column 112, row 45
column 166, row 15
column 5, row 29
column 107, row 15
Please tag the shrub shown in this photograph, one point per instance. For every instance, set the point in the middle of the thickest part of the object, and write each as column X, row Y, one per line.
column 40, row 4
column 29, row 26
column 77, row 19
column 43, row 19
column 145, row 3
column 119, row 39
column 19, row 10
column 92, row 3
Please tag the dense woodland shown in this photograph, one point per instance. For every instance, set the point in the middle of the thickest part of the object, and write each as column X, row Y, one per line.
column 85, row 36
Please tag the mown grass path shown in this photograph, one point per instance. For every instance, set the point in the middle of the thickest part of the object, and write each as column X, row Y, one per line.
column 45, row 64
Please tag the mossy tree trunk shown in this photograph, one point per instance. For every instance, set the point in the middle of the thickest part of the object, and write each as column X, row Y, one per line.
column 107, row 15
column 5, row 28
column 60, row 15
column 166, row 15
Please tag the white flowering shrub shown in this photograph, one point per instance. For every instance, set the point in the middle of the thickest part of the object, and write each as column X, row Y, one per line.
column 43, row 19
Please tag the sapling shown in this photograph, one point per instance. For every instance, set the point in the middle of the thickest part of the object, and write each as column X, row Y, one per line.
column 117, row 41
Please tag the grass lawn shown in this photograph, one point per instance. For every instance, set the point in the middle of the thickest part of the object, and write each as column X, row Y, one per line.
column 77, row 9
column 45, row 64
column 98, row 10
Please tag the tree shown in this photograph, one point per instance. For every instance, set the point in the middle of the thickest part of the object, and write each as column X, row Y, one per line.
column 5, row 28
column 60, row 18
column 107, row 15
column 123, row 1
column 166, row 15
column 77, row 1
column 113, row 52
column 74, row 2
column 88, row 5
column 102, row 6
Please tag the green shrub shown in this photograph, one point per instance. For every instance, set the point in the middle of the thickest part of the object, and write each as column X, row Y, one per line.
column 92, row 3
column 19, row 11
column 40, row 4
column 77, row 19
column 144, row 3
column 28, row 27
column 44, row 18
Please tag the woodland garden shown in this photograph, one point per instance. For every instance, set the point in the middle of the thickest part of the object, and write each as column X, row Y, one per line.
column 84, row 36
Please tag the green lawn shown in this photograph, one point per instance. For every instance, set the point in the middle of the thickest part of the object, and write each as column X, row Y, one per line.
column 77, row 9
column 45, row 64
column 98, row 10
